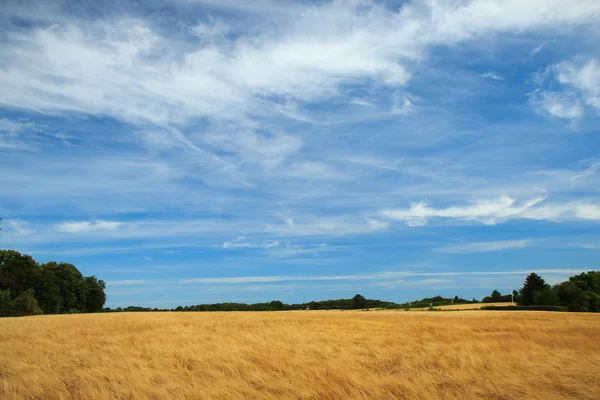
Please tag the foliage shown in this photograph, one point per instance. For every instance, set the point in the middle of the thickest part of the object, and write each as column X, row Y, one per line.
column 358, row 302
column 533, row 284
column 579, row 293
column 55, row 287
column 25, row 304
column 5, row 303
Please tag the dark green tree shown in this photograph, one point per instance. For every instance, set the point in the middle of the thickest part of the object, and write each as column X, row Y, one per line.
column 533, row 284
column 572, row 296
column 5, row 303
column 496, row 296
column 72, row 287
column 95, row 297
column 18, row 272
column 25, row 304
column 358, row 302
column 546, row 297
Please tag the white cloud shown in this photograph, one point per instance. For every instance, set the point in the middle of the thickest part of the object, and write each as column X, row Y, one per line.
column 492, row 75
column 558, row 104
column 378, row 276
column 240, row 243
column 20, row 227
column 402, row 105
column 11, row 134
column 538, row 49
column 590, row 171
column 484, row 247
column 126, row 68
column 491, row 212
column 290, row 250
column 580, row 84
column 583, row 77
column 88, row 226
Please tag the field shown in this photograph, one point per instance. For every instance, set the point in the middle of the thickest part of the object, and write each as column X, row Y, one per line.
column 475, row 306
column 302, row 355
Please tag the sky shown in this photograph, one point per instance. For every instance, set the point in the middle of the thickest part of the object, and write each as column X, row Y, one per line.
column 201, row 151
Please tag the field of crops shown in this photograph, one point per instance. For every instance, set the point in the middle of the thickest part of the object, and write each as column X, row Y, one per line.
column 305, row 354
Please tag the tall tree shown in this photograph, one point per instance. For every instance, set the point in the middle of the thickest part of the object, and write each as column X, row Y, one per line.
column 18, row 272
column 96, row 297
column 70, row 282
column 533, row 284
column 358, row 302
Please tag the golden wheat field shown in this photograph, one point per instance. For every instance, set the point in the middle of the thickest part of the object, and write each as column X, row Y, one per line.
column 302, row 355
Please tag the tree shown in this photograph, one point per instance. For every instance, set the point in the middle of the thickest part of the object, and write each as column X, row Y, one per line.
column 25, row 304
column 496, row 296
column 95, row 297
column 546, row 297
column 5, row 303
column 358, row 302
column 572, row 296
column 18, row 272
column 533, row 284
column 73, row 289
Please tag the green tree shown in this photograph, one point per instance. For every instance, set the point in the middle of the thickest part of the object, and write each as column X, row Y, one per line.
column 496, row 296
column 358, row 302
column 546, row 297
column 25, row 304
column 73, row 290
column 5, row 303
column 18, row 272
column 572, row 296
column 533, row 284
column 95, row 297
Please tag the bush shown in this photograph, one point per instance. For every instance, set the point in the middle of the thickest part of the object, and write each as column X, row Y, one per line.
column 25, row 304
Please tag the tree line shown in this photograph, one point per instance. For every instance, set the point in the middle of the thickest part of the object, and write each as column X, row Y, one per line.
column 579, row 293
column 356, row 303
column 30, row 288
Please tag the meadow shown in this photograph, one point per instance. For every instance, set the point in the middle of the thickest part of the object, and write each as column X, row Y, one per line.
column 302, row 355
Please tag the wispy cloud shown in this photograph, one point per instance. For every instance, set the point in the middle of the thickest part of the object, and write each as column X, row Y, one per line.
column 88, row 226
column 21, row 228
column 491, row 212
column 492, row 75
column 485, row 247
column 374, row 276
column 293, row 136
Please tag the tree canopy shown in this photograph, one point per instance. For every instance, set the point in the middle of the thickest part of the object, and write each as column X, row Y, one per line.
column 29, row 288
column 579, row 293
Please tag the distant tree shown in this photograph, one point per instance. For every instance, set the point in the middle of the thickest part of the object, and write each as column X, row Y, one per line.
column 358, row 302
column 276, row 305
column 533, row 284
column 25, row 304
column 496, row 296
column 179, row 308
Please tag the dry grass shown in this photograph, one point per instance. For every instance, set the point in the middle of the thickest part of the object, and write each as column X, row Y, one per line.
column 314, row 354
column 476, row 306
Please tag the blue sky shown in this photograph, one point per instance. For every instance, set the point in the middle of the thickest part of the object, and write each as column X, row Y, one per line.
column 202, row 151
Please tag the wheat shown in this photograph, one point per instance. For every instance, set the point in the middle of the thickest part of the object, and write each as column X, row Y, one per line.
column 302, row 355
